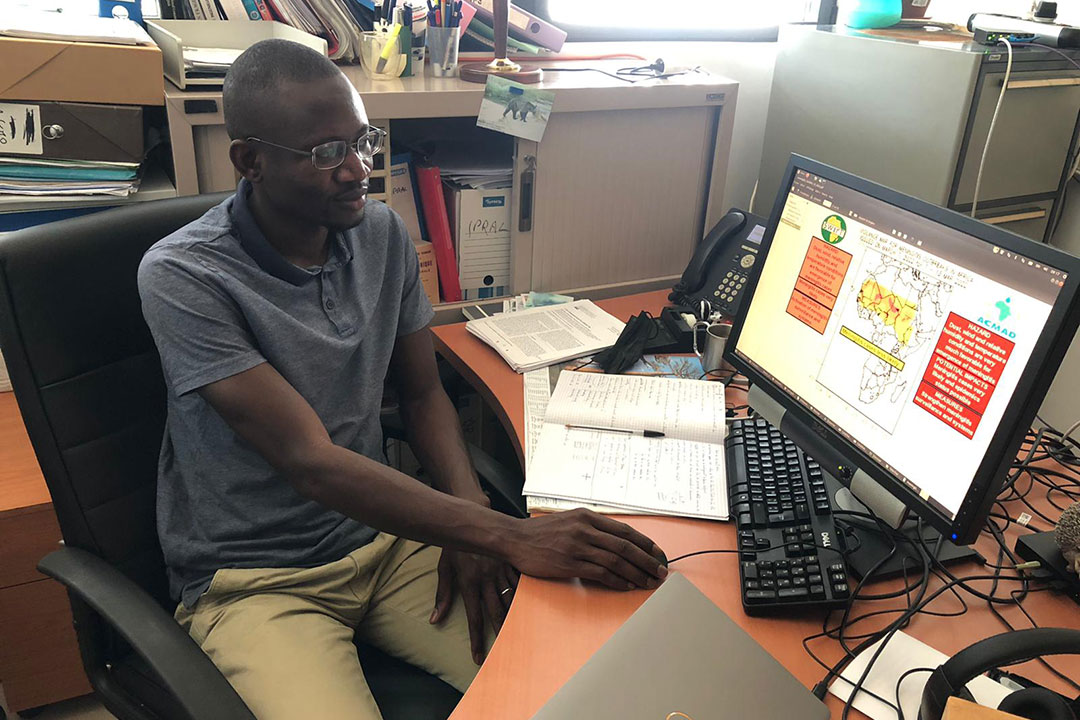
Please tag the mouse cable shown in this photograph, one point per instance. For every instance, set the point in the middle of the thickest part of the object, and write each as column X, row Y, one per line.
column 1018, row 597
column 885, row 634
column 828, row 632
column 889, row 632
column 895, row 627
column 903, row 676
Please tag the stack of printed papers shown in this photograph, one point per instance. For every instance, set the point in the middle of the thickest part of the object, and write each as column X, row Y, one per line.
column 469, row 166
column 41, row 25
column 538, row 337
column 209, row 62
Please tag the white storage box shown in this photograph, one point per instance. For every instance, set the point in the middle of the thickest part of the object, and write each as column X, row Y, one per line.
column 480, row 222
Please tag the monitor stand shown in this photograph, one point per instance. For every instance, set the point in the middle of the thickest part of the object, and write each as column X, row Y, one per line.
column 870, row 544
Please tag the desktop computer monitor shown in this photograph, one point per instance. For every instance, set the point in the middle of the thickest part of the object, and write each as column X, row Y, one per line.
column 904, row 346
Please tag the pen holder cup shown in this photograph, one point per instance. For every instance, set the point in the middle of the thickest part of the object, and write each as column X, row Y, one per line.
column 711, row 351
column 381, row 48
column 442, row 44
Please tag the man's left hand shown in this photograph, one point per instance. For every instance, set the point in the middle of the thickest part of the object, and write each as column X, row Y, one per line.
column 486, row 586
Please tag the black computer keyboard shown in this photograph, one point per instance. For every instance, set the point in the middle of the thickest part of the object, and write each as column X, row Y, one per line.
column 788, row 545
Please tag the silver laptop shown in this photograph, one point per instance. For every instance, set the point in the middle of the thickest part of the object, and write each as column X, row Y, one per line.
column 680, row 656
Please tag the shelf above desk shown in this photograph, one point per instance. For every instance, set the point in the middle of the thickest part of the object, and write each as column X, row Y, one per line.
column 420, row 97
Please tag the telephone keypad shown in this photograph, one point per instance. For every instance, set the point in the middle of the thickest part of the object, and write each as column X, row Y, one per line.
column 731, row 284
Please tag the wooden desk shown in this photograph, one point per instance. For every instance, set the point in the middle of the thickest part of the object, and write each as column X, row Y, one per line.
column 553, row 627
column 39, row 657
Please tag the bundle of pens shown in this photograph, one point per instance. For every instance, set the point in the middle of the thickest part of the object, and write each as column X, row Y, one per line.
column 444, row 14
column 443, row 34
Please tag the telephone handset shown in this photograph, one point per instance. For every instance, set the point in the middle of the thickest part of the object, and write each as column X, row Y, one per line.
column 721, row 265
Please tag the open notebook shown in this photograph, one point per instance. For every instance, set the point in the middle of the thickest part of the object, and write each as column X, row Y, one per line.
column 681, row 473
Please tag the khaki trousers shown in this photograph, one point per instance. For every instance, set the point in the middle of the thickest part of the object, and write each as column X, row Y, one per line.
column 284, row 636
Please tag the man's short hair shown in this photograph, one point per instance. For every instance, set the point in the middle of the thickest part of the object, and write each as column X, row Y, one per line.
column 252, row 90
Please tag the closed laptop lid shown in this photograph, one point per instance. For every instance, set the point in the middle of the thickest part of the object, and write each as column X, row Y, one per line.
column 680, row 653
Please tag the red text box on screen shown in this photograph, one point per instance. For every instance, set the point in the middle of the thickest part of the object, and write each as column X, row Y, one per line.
column 819, row 281
column 963, row 373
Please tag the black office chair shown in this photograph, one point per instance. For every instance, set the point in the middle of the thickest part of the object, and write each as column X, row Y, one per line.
column 88, row 381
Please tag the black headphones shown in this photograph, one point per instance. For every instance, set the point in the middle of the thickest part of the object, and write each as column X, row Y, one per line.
column 1005, row 649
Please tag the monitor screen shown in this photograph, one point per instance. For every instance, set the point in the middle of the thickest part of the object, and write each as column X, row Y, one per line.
column 905, row 334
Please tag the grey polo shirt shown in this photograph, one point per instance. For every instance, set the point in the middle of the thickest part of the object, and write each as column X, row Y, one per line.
column 219, row 300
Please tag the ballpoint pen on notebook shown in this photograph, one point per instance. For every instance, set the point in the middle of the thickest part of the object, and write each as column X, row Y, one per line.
column 621, row 431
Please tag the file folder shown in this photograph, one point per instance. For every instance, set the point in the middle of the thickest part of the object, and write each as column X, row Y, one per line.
column 525, row 25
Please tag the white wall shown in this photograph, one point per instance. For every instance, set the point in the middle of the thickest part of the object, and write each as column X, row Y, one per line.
column 751, row 64
column 1062, row 405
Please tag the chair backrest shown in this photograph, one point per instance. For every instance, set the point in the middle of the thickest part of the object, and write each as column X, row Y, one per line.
column 87, row 375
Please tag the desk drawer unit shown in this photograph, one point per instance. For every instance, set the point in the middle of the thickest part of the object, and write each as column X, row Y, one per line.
column 1032, row 136
column 39, row 656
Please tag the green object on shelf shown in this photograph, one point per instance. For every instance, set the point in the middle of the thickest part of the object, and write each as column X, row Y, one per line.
column 865, row 14
column 37, row 172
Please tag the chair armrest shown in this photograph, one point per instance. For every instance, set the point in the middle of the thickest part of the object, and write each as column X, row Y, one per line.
column 196, row 683
column 503, row 484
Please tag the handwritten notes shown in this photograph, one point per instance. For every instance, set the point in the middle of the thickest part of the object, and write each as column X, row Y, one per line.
column 682, row 473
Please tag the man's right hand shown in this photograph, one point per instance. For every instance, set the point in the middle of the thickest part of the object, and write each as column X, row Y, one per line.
column 584, row 544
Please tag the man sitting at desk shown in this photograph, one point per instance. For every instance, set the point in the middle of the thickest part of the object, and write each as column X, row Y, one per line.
column 277, row 315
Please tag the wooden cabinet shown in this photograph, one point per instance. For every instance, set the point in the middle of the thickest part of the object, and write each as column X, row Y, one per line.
column 39, row 657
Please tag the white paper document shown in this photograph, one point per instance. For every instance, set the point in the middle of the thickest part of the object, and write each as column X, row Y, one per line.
column 902, row 654
column 39, row 25
column 682, row 473
column 538, row 337
column 537, row 396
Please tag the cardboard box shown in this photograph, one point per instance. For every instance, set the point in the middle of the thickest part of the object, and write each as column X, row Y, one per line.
column 480, row 224
column 957, row 709
column 80, row 72
column 429, row 276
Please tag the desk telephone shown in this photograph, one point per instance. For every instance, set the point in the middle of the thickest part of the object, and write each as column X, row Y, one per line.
column 721, row 266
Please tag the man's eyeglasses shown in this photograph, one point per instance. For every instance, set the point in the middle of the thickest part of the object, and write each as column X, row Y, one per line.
column 330, row 155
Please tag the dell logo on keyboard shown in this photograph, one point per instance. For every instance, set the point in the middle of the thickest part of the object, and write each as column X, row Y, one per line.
column 826, row 541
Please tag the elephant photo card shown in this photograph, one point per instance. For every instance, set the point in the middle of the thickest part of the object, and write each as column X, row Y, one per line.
column 515, row 109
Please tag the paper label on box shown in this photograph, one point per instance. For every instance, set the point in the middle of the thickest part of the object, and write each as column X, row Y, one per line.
column 483, row 242
column 429, row 277
column 20, row 129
